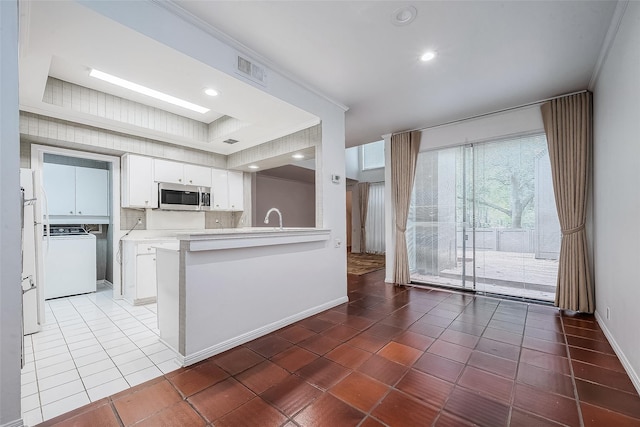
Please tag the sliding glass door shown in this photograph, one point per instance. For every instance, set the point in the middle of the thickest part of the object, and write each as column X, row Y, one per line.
column 483, row 217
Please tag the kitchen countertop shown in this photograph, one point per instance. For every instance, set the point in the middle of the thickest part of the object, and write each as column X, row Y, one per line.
column 214, row 233
column 234, row 238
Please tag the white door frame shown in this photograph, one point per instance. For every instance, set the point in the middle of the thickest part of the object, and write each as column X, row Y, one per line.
column 37, row 160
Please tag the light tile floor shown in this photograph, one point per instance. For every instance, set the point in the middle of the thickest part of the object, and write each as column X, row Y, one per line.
column 90, row 347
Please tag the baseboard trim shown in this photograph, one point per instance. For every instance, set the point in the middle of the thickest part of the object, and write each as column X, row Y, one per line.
column 143, row 301
column 16, row 423
column 179, row 357
column 633, row 375
column 257, row 333
column 104, row 282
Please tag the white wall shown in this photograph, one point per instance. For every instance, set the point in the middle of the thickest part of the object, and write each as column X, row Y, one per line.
column 351, row 162
column 10, row 269
column 617, row 191
column 153, row 20
column 481, row 129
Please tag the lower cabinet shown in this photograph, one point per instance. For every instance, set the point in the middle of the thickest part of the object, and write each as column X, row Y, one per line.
column 139, row 270
column 146, row 276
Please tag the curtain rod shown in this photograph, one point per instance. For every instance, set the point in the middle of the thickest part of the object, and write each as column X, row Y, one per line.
column 491, row 113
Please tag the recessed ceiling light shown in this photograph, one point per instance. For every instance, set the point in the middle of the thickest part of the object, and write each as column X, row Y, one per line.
column 254, row 167
column 211, row 92
column 298, row 156
column 428, row 56
column 404, row 15
column 147, row 91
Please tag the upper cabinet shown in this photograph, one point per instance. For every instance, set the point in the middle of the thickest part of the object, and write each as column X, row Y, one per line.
column 236, row 191
column 138, row 188
column 227, row 188
column 181, row 173
column 197, row 175
column 92, row 192
column 141, row 175
column 219, row 190
column 76, row 191
column 59, row 183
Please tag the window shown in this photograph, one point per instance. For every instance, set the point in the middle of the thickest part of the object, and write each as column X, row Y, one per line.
column 373, row 155
column 483, row 217
column 375, row 219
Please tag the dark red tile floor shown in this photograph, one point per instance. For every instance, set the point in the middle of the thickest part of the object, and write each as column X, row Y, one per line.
column 396, row 357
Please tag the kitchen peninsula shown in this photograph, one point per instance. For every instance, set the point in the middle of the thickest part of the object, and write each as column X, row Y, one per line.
column 221, row 288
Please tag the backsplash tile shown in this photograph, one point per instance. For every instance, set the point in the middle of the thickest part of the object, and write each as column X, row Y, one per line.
column 129, row 218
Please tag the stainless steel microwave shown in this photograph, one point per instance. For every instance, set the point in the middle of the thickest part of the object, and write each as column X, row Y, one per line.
column 183, row 197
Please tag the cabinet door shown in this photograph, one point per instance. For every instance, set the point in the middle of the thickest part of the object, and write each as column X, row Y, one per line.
column 167, row 171
column 146, row 276
column 60, row 188
column 92, row 192
column 197, row 175
column 219, row 189
column 236, row 191
column 138, row 188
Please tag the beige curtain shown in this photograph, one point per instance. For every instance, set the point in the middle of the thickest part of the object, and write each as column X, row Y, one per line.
column 404, row 154
column 363, row 204
column 568, row 125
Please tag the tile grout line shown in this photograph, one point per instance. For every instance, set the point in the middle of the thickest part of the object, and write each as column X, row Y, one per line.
column 573, row 377
column 87, row 328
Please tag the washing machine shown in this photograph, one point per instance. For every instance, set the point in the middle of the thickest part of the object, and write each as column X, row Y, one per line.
column 69, row 262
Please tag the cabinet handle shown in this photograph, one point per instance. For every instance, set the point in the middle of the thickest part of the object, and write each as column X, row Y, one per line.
column 80, row 213
column 190, row 182
column 71, row 212
column 179, row 179
column 146, row 202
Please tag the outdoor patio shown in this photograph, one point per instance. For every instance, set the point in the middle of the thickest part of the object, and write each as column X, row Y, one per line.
column 506, row 273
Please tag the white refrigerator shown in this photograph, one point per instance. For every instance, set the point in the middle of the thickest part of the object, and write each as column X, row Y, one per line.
column 32, row 265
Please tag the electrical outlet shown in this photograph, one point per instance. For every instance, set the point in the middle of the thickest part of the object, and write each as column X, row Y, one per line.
column 338, row 243
column 608, row 313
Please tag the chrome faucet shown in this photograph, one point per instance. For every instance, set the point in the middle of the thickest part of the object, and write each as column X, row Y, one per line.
column 266, row 218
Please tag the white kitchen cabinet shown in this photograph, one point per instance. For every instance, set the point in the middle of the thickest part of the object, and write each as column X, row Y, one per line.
column 227, row 188
column 92, row 192
column 76, row 191
column 60, row 188
column 138, row 188
column 139, row 269
column 219, row 190
column 168, row 171
column 197, row 175
column 236, row 190
column 146, row 276
column 181, row 173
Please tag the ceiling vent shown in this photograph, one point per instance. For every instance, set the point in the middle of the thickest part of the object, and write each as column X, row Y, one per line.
column 230, row 141
column 249, row 69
